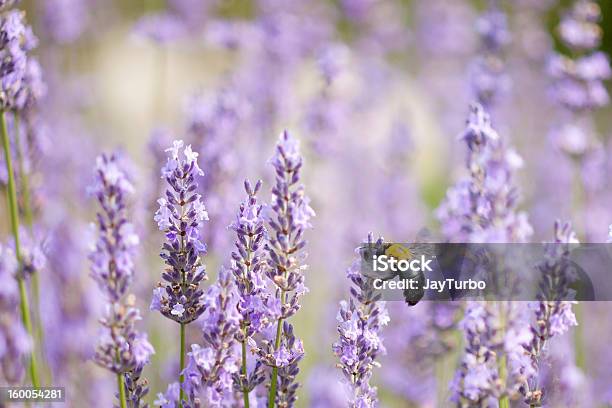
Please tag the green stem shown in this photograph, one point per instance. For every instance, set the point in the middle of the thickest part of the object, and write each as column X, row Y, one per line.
column 27, row 322
column 580, row 197
column 182, row 365
column 28, row 219
column 504, row 401
column 245, row 391
column 579, row 338
column 14, row 216
column 274, row 379
column 121, row 386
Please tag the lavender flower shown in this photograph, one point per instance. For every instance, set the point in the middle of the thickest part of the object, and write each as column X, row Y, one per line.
column 482, row 208
column 553, row 316
column 258, row 310
column 121, row 349
column 180, row 215
column 488, row 76
column 578, row 28
column 326, row 112
column 291, row 213
column 287, row 358
column 7, row 3
column 213, row 366
column 112, row 266
column 137, row 388
column 578, row 84
column 360, row 320
column 15, row 341
column 16, row 40
column 288, row 221
column 248, row 264
column 32, row 251
column 66, row 20
column 491, row 330
column 34, row 88
column 578, row 80
column 169, row 398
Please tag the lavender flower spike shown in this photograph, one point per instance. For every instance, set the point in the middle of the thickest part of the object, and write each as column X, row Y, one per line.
column 494, row 332
column 16, row 39
column 255, row 305
column 180, row 215
column 488, row 77
column 213, row 366
column 360, row 320
column 121, row 348
column 552, row 317
column 7, row 3
column 482, row 207
column 289, row 220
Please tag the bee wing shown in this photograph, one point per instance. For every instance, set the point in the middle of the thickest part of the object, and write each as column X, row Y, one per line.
column 370, row 273
column 424, row 235
column 426, row 249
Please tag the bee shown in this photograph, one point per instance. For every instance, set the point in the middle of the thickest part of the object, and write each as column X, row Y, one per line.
column 401, row 252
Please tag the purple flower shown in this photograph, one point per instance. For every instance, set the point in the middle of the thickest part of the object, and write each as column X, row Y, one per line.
column 180, row 216
column 494, row 334
column 488, row 75
column 15, row 343
column 34, row 88
column 579, row 27
column 111, row 260
column 257, row 308
column 169, row 398
column 7, row 3
column 66, row 20
column 32, row 252
column 553, row 317
column 578, row 80
column 121, row 349
column 136, row 389
column 578, row 83
column 288, row 220
column 360, row 320
column 214, row 365
column 16, row 40
column 482, row 207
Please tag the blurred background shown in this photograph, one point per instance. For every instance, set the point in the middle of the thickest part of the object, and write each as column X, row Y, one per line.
column 376, row 91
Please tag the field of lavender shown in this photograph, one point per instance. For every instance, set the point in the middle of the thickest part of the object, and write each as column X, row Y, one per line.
column 185, row 183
